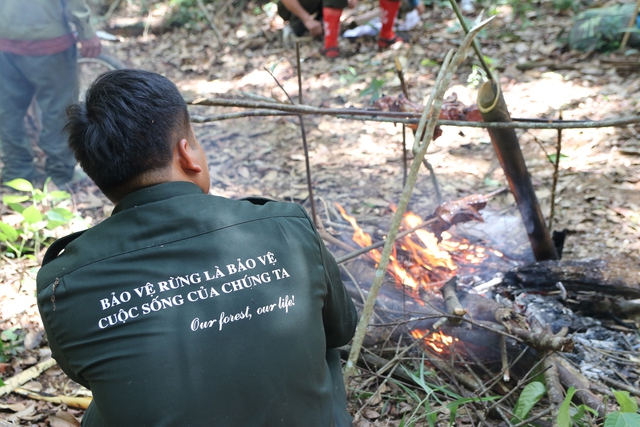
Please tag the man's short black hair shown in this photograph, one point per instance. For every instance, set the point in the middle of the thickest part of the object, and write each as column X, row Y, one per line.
column 126, row 126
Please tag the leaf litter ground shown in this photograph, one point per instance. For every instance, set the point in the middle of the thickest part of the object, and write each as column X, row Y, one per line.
column 359, row 164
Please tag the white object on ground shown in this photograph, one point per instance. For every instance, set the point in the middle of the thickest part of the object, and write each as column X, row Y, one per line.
column 467, row 5
column 372, row 28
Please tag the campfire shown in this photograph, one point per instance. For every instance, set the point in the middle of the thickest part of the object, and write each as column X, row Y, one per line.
column 476, row 317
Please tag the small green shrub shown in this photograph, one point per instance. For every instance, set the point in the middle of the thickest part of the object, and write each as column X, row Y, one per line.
column 34, row 214
column 10, row 343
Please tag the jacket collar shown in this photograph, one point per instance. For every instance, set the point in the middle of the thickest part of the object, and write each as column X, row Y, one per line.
column 156, row 193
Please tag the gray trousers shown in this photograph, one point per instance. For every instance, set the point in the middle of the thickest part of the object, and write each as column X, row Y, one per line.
column 53, row 80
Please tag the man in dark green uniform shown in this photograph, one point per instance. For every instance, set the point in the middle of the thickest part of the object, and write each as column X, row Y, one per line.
column 182, row 308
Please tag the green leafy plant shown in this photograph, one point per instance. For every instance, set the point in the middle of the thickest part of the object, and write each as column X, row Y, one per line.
column 34, row 214
column 627, row 416
column 10, row 343
column 569, row 415
column 349, row 76
column 552, row 157
column 531, row 394
column 374, row 89
column 431, row 392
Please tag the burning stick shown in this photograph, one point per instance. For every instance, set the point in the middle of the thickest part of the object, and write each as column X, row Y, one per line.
column 444, row 217
column 452, row 304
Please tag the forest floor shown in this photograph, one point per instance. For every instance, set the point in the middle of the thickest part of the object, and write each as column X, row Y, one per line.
column 359, row 164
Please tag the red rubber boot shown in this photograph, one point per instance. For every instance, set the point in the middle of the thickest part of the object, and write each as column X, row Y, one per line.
column 331, row 19
column 388, row 12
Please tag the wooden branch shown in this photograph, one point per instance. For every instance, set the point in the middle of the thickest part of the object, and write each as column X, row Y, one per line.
column 445, row 75
column 475, row 44
column 556, row 169
column 554, row 389
column 572, row 378
column 441, row 365
column 544, row 340
column 533, row 418
column 452, row 304
column 451, row 300
column 26, row 376
column 239, row 115
column 619, row 385
column 506, row 376
column 400, row 74
column 405, row 117
column 71, row 401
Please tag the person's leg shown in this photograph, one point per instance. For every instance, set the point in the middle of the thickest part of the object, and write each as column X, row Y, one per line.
column 55, row 78
column 296, row 25
column 331, row 13
column 15, row 96
column 388, row 12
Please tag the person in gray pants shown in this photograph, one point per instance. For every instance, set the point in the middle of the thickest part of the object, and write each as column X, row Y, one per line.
column 38, row 59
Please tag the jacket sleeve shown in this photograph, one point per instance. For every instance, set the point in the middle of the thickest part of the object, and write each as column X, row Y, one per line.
column 78, row 13
column 44, row 296
column 339, row 314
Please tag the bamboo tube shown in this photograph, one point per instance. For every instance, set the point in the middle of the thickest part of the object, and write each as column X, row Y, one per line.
column 493, row 108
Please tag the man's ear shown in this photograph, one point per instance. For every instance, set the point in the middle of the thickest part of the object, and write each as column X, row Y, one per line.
column 187, row 158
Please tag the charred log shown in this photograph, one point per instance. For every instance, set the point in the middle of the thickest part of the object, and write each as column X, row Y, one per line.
column 597, row 275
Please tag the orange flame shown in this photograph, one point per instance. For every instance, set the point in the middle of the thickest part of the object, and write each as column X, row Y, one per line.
column 437, row 340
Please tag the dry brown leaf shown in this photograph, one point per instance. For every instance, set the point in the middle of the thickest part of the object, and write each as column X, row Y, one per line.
column 371, row 414
column 63, row 419
column 15, row 407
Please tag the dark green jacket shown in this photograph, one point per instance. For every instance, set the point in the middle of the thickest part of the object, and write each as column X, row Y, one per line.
column 185, row 309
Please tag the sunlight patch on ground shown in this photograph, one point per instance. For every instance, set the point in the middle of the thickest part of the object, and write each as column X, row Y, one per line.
column 548, row 92
column 206, row 88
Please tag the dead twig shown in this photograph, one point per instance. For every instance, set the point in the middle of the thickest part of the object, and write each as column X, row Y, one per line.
column 552, row 383
column 533, row 418
column 304, row 139
column 452, row 304
column 441, row 365
column 412, row 118
column 556, row 168
column 72, row 401
column 239, row 115
column 302, row 130
column 572, row 378
column 619, row 385
column 26, row 376
column 475, row 44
